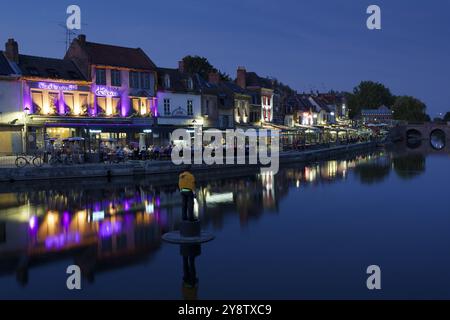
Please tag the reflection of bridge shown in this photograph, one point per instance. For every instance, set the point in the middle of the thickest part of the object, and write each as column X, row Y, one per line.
column 422, row 130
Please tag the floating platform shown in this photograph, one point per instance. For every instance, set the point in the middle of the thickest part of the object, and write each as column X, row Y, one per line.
column 175, row 237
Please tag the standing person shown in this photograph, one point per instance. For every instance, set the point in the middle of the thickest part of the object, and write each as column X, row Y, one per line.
column 187, row 188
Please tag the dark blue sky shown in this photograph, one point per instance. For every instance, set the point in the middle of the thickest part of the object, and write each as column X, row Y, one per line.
column 320, row 45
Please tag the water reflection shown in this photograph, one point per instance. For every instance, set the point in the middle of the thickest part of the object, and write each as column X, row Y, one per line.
column 189, row 253
column 410, row 165
column 110, row 226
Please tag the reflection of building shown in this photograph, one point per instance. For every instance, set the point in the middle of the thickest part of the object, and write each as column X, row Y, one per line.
column 108, row 225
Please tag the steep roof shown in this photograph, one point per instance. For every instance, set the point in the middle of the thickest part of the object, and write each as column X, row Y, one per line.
column 178, row 80
column 253, row 80
column 50, row 68
column 5, row 68
column 116, row 56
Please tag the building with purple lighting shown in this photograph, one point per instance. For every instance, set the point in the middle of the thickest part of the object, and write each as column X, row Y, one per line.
column 123, row 88
column 44, row 93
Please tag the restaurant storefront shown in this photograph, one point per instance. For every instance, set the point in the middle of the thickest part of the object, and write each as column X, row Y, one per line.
column 56, row 111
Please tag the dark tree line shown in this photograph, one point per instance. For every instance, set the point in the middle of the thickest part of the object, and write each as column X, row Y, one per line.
column 372, row 95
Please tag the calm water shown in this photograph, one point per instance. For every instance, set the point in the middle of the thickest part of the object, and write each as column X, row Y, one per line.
column 309, row 232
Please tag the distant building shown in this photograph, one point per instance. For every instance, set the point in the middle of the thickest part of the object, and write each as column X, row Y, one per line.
column 179, row 102
column 11, row 117
column 382, row 115
column 262, row 93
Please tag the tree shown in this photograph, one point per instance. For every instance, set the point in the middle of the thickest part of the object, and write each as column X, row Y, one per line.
column 410, row 109
column 447, row 117
column 201, row 66
column 369, row 95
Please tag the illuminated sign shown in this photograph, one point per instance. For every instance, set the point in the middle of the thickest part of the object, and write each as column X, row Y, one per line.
column 57, row 86
column 106, row 92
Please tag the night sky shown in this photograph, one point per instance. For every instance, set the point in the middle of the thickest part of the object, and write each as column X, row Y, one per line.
column 319, row 45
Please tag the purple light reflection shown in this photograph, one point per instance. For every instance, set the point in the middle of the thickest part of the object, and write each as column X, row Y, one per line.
column 109, row 228
column 61, row 240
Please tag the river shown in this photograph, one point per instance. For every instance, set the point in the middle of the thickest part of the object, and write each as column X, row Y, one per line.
column 309, row 232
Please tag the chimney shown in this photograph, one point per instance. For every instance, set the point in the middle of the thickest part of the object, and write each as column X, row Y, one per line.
column 82, row 39
column 214, row 77
column 181, row 66
column 241, row 77
column 12, row 50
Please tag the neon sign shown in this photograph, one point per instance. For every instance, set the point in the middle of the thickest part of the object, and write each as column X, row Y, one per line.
column 106, row 92
column 57, row 87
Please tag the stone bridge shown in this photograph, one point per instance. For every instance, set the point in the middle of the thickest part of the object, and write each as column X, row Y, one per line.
column 422, row 130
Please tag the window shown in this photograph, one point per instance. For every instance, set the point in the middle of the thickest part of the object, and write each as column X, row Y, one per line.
column 73, row 75
column 207, row 108
column 100, row 77
column 116, row 107
column 53, row 73
column 101, row 105
column 134, row 79
column 53, row 99
column 190, row 84
column 167, row 81
column 167, row 107
column 145, row 80
column 38, row 102
column 33, row 71
column 190, row 108
column 69, row 103
column 136, row 104
column 84, row 103
column 116, row 79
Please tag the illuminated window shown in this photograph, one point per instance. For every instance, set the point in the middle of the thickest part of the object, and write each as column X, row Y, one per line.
column 70, row 104
column 101, row 105
column 38, row 102
column 116, row 106
column 53, row 98
column 84, row 104
column 136, row 104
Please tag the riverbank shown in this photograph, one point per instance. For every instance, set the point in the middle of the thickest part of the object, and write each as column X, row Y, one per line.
column 142, row 168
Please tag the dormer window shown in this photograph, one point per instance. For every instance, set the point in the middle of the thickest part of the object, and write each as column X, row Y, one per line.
column 33, row 71
column 190, row 84
column 53, row 73
column 167, row 81
column 73, row 75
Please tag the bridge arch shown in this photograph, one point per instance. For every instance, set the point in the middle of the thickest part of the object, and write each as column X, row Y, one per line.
column 413, row 134
column 438, row 139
